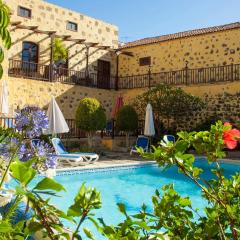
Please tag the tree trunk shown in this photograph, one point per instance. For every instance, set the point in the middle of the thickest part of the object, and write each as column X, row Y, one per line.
column 127, row 139
column 90, row 139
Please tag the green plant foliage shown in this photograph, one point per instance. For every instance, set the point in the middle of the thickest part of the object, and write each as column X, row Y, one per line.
column 4, row 33
column 173, row 215
column 169, row 103
column 127, row 119
column 90, row 115
column 87, row 199
column 60, row 52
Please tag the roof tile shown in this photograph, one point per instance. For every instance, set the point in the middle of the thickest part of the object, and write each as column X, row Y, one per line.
column 195, row 32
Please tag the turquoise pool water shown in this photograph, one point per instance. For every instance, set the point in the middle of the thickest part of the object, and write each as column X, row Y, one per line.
column 132, row 186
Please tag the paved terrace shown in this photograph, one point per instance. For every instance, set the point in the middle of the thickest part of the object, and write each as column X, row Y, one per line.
column 113, row 159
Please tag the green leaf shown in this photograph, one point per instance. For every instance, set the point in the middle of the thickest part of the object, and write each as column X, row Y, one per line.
column 184, row 202
column 22, row 172
column 88, row 233
column 142, row 225
column 86, row 200
column 1, row 71
column 122, row 208
column 5, row 227
column 1, row 55
column 48, row 183
column 33, row 227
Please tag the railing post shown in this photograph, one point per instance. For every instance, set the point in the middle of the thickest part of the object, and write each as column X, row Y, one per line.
column 87, row 65
column 117, row 71
column 113, row 129
column 232, row 78
column 51, row 70
column 186, row 73
column 149, row 77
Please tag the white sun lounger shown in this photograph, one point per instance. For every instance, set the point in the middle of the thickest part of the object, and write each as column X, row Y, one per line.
column 63, row 154
column 73, row 160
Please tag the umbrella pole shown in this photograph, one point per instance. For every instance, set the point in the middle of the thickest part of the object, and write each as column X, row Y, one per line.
column 150, row 142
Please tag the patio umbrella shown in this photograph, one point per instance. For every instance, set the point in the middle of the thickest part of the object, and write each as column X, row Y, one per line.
column 149, row 129
column 57, row 122
column 4, row 108
column 118, row 105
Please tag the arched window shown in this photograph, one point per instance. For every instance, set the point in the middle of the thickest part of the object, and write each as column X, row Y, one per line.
column 30, row 56
column 30, row 52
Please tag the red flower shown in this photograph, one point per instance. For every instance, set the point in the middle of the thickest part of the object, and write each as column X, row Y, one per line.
column 231, row 136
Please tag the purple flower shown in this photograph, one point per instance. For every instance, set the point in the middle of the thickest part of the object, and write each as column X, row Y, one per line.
column 44, row 150
column 25, row 152
column 31, row 120
column 51, row 161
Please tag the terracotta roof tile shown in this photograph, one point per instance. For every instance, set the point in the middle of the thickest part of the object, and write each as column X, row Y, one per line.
column 195, row 32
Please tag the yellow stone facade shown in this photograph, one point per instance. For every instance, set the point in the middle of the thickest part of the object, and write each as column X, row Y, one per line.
column 206, row 50
column 49, row 17
column 38, row 93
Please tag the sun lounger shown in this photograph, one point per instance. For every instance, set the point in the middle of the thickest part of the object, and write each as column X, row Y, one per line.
column 63, row 154
column 169, row 138
column 141, row 142
column 72, row 160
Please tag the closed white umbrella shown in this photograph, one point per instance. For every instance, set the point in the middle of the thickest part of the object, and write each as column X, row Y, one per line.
column 149, row 129
column 4, row 98
column 57, row 122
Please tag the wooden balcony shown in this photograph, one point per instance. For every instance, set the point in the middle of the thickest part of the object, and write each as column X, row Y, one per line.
column 186, row 76
column 47, row 73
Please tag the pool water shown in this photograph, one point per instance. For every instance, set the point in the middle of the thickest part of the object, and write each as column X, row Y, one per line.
column 132, row 186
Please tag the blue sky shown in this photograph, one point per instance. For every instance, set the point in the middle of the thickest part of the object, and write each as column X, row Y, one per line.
column 137, row 19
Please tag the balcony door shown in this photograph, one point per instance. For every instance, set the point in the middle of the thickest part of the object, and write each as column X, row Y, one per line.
column 29, row 56
column 103, row 76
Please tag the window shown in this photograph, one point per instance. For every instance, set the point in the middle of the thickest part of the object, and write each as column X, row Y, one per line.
column 29, row 56
column 24, row 12
column 72, row 26
column 145, row 61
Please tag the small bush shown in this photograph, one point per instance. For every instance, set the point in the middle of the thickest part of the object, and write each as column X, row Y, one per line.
column 127, row 121
column 90, row 116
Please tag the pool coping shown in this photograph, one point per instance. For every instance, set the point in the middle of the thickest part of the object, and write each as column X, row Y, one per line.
column 114, row 166
column 108, row 166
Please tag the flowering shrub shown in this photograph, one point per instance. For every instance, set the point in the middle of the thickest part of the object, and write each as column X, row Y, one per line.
column 231, row 136
column 23, row 158
column 174, row 216
column 31, row 120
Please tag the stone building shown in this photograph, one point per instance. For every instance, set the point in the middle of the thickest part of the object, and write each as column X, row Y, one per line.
column 199, row 48
column 205, row 62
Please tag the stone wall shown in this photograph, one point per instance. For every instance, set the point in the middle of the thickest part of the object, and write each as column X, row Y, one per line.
column 224, row 107
column 222, row 101
column 212, row 49
column 26, row 91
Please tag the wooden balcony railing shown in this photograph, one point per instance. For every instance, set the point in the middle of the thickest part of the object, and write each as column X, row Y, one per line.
column 184, row 76
column 46, row 73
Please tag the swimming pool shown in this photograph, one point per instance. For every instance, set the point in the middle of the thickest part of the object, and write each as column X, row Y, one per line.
column 132, row 186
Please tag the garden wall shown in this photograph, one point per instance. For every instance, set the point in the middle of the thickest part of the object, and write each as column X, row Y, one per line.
column 221, row 100
column 33, row 92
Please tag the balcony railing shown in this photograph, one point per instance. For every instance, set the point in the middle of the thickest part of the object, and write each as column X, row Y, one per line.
column 185, row 76
column 45, row 73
